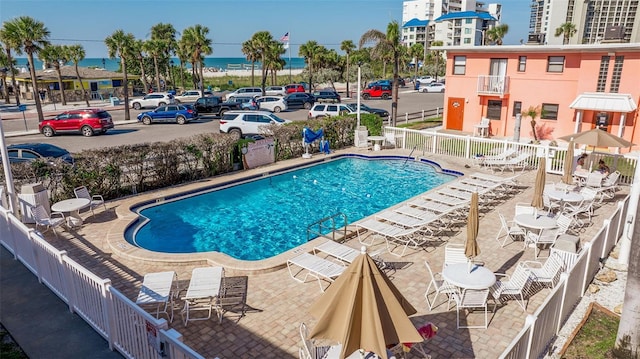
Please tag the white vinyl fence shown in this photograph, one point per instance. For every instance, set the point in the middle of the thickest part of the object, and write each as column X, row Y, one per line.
column 543, row 325
column 423, row 142
column 126, row 327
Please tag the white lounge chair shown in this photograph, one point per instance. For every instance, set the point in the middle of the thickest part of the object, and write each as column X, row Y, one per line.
column 518, row 162
column 159, row 289
column 394, row 235
column 44, row 219
column 608, row 186
column 479, row 160
column 337, row 250
column 314, row 266
column 96, row 200
column 203, row 293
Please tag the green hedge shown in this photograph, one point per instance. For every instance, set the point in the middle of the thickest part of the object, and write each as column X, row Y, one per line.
column 120, row 171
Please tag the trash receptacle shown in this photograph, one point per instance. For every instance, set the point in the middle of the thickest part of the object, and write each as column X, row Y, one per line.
column 31, row 195
column 417, row 86
column 114, row 101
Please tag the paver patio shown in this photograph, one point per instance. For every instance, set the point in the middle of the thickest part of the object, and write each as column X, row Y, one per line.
column 277, row 304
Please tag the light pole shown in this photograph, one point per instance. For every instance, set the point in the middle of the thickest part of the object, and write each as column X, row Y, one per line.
column 481, row 31
column 358, row 94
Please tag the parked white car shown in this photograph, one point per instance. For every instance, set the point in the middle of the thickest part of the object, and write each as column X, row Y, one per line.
column 275, row 91
column 246, row 123
column 154, row 100
column 424, row 80
column 432, row 87
column 245, row 91
column 335, row 109
column 192, row 96
column 271, row 103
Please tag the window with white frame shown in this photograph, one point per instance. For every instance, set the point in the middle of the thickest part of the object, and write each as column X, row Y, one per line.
column 459, row 65
column 522, row 64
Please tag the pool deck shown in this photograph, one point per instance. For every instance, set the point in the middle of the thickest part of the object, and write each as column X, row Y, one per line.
column 277, row 304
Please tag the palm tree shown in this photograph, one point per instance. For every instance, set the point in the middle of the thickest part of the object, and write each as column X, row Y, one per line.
column 532, row 112
column 567, row 30
column 250, row 52
column 391, row 42
column 416, row 51
column 76, row 54
column 183, row 57
column 199, row 45
column 167, row 34
column 274, row 59
column 497, row 33
column 32, row 36
column 310, row 51
column 54, row 55
column 120, row 44
column 437, row 55
column 155, row 49
column 138, row 52
column 262, row 41
column 347, row 46
column 10, row 43
column 6, row 67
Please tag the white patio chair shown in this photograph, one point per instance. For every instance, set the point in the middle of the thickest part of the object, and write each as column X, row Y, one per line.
column 594, row 180
column 608, row 186
column 525, row 208
column 583, row 208
column 546, row 274
column 516, row 286
column 547, row 238
column 44, row 219
column 472, row 299
column 454, row 253
column 439, row 286
column 96, row 200
column 511, row 230
column 311, row 351
column 482, row 128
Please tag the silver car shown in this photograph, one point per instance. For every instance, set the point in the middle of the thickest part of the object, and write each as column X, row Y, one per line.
column 271, row 103
column 154, row 99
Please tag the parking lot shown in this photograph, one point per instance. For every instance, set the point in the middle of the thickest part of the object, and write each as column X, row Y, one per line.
column 128, row 134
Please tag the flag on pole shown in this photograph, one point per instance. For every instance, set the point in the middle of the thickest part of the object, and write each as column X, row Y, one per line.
column 285, row 37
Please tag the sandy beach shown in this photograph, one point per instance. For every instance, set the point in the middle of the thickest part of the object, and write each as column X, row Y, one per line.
column 247, row 73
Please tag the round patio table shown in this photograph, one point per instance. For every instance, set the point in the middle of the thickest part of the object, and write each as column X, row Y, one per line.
column 537, row 222
column 467, row 276
column 71, row 206
column 377, row 142
column 565, row 196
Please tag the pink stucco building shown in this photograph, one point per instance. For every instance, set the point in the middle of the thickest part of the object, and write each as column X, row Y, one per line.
column 577, row 87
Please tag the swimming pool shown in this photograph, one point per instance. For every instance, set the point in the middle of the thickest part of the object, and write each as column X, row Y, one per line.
column 265, row 217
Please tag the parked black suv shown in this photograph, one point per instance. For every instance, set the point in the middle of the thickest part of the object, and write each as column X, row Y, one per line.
column 299, row 100
column 326, row 96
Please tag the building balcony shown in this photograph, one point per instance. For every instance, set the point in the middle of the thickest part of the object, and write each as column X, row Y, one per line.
column 493, row 85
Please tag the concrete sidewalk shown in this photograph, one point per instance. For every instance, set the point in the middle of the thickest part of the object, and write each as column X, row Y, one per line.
column 39, row 322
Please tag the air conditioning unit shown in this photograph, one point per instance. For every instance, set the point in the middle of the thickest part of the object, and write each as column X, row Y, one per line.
column 614, row 33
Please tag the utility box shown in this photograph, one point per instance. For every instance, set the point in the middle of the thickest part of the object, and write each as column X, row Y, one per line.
column 31, row 195
column 114, row 101
column 360, row 138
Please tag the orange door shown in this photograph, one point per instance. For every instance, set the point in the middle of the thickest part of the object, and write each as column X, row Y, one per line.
column 455, row 113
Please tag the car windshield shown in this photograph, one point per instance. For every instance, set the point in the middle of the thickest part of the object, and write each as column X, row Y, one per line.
column 276, row 118
column 51, row 151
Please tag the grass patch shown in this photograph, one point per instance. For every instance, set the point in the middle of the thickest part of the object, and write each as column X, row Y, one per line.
column 8, row 348
column 595, row 337
column 421, row 125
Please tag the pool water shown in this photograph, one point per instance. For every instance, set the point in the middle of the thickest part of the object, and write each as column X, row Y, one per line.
column 263, row 218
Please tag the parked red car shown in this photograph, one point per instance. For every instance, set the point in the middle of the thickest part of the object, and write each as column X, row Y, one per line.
column 294, row 88
column 85, row 121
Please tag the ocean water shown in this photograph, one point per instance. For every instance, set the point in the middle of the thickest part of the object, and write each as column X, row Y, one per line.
column 229, row 63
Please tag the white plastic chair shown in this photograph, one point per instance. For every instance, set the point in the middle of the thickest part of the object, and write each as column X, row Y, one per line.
column 546, row 274
column 514, row 287
column 472, row 299
column 42, row 218
column 440, row 286
column 96, row 200
column 482, row 129
column 453, row 254
column 510, row 229
column 310, row 351
column 548, row 237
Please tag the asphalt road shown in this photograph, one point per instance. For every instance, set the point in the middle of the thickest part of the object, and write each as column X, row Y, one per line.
column 133, row 133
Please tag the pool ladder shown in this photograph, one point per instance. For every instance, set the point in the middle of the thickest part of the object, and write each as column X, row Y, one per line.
column 318, row 228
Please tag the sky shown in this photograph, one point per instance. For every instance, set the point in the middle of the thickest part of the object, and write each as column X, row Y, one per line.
column 230, row 22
